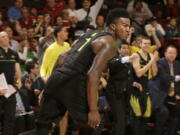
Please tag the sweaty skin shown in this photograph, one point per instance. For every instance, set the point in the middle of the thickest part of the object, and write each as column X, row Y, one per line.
column 104, row 48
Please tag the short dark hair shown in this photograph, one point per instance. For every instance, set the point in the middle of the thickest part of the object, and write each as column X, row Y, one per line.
column 136, row 1
column 30, row 64
column 123, row 42
column 171, row 44
column 115, row 14
column 152, row 19
column 57, row 29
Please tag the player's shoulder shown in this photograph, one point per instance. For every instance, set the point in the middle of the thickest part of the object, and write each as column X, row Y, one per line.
column 105, row 41
column 136, row 56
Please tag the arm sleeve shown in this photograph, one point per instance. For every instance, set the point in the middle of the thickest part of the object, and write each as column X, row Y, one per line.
column 97, row 5
column 17, row 58
column 95, row 10
column 24, row 54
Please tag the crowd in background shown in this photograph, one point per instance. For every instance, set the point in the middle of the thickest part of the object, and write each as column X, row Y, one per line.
column 30, row 25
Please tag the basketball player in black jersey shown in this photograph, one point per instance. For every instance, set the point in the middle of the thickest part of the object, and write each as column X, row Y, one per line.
column 145, row 68
column 74, row 86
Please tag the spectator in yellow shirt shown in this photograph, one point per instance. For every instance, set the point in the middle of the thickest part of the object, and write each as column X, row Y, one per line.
column 53, row 51
column 135, row 47
column 50, row 57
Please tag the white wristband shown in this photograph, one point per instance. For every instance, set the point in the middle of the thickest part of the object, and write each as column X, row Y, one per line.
column 125, row 59
column 177, row 78
column 134, row 84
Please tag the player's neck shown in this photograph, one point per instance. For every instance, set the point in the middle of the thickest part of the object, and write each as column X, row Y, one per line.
column 144, row 54
column 113, row 34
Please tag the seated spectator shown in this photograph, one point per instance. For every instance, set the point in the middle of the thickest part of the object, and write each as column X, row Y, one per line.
column 33, row 44
column 32, row 75
column 26, row 20
column 71, row 4
column 47, row 19
column 66, row 18
column 139, row 11
column 32, row 69
column 154, row 25
column 54, row 8
column 27, row 99
column 14, row 13
column 28, row 47
column 172, row 30
column 34, row 12
column 100, row 23
column 91, row 11
column 39, row 25
column 23, row 51
column 58, row 20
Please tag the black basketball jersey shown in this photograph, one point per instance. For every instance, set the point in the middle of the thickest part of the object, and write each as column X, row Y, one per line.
column 145, row 78
column 82, row 55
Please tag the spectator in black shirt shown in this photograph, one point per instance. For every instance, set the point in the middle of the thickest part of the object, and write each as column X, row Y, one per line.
column 32, row 82
column 171, row 29
column 9, row 62
column 119, row 84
